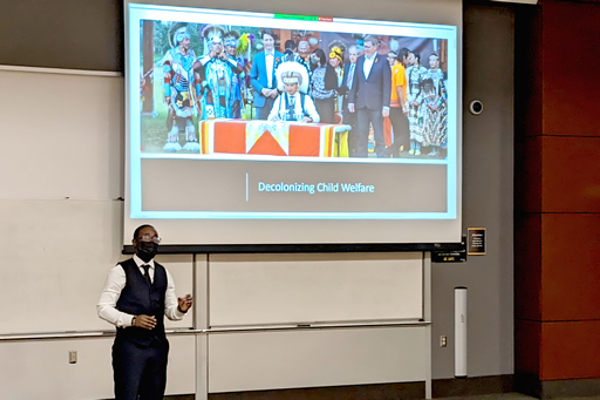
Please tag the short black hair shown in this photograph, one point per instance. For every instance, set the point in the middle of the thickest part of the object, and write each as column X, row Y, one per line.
column 268, row 32
column 290, row 44
column 139, row 228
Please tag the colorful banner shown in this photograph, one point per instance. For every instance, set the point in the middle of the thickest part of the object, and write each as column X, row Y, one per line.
column 274, row 138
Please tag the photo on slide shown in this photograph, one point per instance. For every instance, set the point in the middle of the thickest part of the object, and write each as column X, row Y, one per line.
column 241, row 86
column 248, row 116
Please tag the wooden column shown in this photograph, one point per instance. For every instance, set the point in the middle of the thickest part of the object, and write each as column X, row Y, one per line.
column 557, row 198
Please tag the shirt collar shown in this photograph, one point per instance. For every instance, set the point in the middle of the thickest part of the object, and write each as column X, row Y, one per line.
column 139, row 262
column 372, row 58
column 270, row 53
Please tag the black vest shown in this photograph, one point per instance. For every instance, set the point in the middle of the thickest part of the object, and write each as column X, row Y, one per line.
column 137, row 297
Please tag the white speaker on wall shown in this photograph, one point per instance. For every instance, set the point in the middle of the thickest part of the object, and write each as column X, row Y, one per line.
column 460, row 332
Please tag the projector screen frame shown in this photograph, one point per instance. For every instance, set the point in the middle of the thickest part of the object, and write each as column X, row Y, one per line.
column 295, row 246
column 303, row 248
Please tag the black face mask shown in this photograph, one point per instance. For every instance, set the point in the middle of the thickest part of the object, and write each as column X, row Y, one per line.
column 146, row 250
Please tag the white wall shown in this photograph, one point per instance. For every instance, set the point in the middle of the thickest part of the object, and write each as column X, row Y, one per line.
column 53, row 153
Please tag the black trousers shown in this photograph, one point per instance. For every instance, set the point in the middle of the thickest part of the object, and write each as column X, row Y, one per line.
column 139, row 370
column 326, row 110
column 366, row 117
column 263, row 112
column 401, row 130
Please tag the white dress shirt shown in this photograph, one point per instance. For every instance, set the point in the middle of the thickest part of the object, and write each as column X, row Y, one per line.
column 368, row 65
column 107, row 306
column 309, row 107
column 269, row 62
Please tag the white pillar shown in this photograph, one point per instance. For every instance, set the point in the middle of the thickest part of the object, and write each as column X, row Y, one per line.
column 460, row 332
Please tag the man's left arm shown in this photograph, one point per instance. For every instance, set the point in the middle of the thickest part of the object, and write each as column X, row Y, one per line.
column 386, row 76
column 175, row 308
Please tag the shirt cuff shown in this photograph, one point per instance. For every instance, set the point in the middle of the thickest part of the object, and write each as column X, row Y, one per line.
column 386, row 108
column 178, row 313
column 126, row 320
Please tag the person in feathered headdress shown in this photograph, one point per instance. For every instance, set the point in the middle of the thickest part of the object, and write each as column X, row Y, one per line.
column 179, row 85
column 290, row 54
column 231, row 41
column 234, row 42
column 216, row 72
column 293, row 104
column 262, row 74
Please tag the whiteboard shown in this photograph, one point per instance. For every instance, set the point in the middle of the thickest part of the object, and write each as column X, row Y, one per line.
column 56, row 256
column 62, row 178
column 62, row 136
column 273, row 289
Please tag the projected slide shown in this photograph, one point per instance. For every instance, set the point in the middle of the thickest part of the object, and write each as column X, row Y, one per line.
column 237, row 115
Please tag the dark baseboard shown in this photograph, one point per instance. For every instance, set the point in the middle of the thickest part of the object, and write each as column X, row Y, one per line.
column 529, row 385
column 546, row 390
column 522, row 383
column 413, row 390
column 179, row 397
column 472, row 386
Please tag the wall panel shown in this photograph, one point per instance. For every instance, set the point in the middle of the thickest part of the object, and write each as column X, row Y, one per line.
column 268, row 289
column 310, row 358
column 569, row 350
column 570, row 174
column 570, row 265
column 39, row 369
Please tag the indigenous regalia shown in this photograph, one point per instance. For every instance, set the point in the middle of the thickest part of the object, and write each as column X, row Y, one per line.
column 179, row 82
column 298, row 105
column 295, row 57
column 232, row 39
column 435, row 127
column 216, row 77
column 415, row 77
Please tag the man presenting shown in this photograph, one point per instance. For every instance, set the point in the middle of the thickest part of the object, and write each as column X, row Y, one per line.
column 370, row 97
column 137, row 295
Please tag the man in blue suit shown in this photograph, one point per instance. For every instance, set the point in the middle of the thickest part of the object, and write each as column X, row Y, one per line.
column 370, row 97
column 262, row 75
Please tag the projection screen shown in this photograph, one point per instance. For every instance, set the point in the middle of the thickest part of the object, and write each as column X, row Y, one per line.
column 276, row 127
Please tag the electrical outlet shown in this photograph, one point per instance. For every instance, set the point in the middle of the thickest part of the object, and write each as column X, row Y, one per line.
column 72, row 357
column 443, row 341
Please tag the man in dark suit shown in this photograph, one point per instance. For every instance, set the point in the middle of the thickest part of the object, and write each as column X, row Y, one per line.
column 350, row 118
column 262, row 75
column 138, row 294
column 370, row 97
